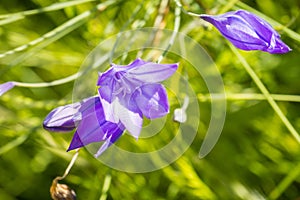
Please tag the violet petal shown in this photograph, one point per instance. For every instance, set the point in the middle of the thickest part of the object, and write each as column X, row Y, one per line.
column 6, row 86
column 116, row 112
column 152, row 100
column 94, row 128
column 152, row 72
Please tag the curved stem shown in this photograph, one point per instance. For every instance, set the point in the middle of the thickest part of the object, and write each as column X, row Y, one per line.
column 69, row 166
column 48, row 84
column 185, row 11
column 57, row 190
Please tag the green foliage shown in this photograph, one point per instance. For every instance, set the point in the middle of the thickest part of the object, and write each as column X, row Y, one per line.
column 256, row 156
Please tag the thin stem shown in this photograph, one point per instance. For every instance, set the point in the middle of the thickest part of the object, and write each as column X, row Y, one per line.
column 185, row 11
column 48, row 84
column 62, row 191
column 69, row 166
column 248, row 96
column 266, row 93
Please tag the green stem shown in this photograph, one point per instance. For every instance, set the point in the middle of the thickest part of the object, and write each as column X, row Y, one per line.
column 266, row 93
column 48, row 84
column 248, row 96
column 185, row 11
column 67, row 171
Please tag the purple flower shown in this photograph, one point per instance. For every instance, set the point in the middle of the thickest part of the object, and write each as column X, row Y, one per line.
column 6, row 86
column 247, row 31
column 88, row 117
column 126, row 94
column 129, row 92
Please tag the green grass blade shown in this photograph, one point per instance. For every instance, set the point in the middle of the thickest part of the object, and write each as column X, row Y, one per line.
column 12, row 17
column 52, row 35
column 248, row 96
column 265, row 92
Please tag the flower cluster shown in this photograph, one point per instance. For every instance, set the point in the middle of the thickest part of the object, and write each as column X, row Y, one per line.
column 125, row 95
column 128, row 93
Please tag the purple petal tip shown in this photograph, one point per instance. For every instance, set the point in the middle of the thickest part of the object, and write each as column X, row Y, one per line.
column 6, row 87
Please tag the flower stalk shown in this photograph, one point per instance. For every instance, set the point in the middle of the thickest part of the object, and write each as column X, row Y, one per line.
column 62, row 191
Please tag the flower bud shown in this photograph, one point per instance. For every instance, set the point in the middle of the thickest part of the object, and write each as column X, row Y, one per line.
column 247, row 31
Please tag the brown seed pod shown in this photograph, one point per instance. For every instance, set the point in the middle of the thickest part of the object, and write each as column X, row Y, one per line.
column 61, row 191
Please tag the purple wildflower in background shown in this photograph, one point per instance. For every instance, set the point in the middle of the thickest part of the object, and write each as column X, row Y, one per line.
column 126, row 94
column 248, row 32
column 6, row 86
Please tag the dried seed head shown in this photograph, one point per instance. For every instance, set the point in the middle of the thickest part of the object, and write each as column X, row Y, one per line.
column 61, row 191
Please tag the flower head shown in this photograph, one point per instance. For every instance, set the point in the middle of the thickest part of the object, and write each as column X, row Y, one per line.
column 126, row 94
column 129, row 92
column 248, row 31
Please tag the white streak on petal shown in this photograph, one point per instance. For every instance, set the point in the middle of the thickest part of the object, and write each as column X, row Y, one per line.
column 108, row 109
column 132, row 121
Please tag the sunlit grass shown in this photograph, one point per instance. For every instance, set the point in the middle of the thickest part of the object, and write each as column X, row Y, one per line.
column 257, row 155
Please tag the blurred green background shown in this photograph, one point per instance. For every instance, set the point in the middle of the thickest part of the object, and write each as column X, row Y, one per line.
column 256, row 156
